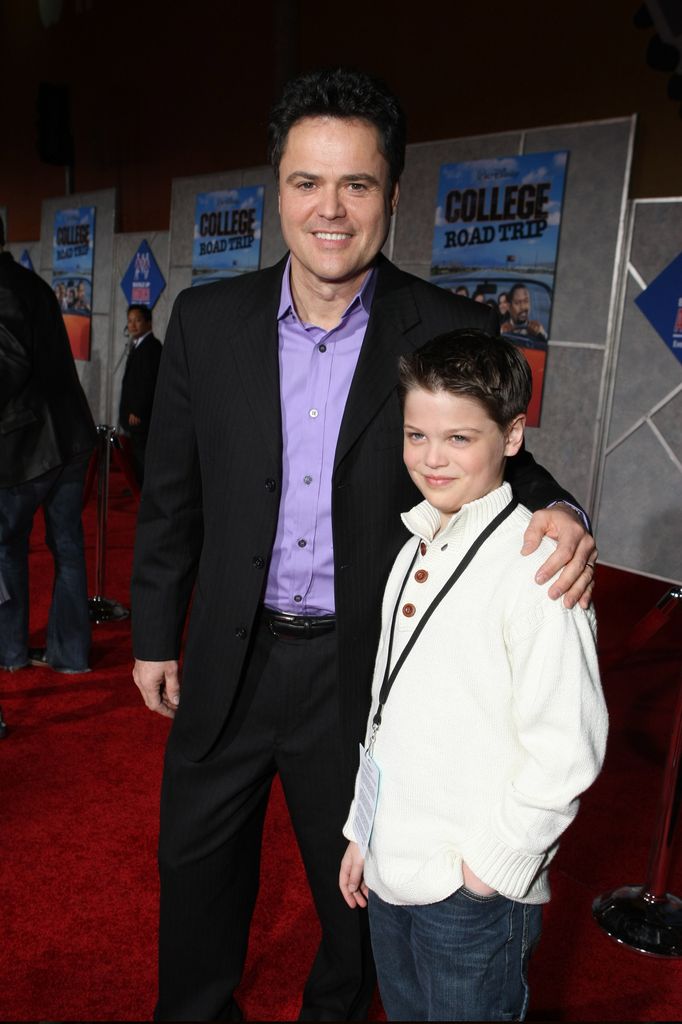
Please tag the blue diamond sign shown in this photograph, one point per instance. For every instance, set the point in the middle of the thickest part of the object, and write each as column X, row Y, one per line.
column 25, row 260
column 661, row 304
column 143, row 282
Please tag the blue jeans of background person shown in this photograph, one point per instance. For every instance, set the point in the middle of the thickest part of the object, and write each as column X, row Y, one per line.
column 60, row 492
column 464, row 958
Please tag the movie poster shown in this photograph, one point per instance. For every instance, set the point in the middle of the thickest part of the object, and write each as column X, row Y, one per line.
column 73, row 251
column 227, row 233
column 496, row 239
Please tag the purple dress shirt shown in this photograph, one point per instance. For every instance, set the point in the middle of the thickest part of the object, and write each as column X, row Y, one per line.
column 316, row 369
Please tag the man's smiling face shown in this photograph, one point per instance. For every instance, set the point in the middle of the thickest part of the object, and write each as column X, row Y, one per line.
column 335, row 200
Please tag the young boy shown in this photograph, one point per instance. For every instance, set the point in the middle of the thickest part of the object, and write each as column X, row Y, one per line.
column 482, row 737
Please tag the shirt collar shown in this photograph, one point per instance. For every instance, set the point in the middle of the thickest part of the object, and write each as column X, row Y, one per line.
column 140, row 339
column 363, row 297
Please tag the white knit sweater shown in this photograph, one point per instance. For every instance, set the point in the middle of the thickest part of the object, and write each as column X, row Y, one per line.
column 494, row 725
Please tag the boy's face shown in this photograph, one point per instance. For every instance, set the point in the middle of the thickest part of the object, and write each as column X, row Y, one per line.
column 452, row 449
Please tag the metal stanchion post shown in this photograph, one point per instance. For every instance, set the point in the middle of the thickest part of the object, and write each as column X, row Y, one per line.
column 646, row 917
column 103, row 609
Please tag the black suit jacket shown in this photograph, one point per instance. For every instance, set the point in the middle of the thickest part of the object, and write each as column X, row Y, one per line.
column 139, row 383
column 210, row 502
column 45, row 419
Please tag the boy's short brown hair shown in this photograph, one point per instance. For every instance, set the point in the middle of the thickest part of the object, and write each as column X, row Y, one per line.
column 470, row 362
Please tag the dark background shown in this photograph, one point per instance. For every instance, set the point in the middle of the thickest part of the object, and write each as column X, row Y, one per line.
column 167, row 89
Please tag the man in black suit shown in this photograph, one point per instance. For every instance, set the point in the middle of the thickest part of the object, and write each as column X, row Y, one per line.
column 46, row 437
column 139, row 383
column 273, row 500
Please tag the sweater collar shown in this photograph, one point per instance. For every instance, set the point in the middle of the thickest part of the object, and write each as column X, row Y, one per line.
column 424, row 520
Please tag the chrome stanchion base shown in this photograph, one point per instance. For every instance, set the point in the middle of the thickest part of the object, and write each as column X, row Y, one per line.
column 104, row 609
column 635, row 918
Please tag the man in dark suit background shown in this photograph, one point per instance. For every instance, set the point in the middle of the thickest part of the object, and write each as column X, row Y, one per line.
column 272, row 498
column 138, row 384
column 46, row 437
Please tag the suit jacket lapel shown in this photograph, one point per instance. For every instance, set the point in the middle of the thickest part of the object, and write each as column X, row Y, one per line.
column 393, row 313
column 256, row 351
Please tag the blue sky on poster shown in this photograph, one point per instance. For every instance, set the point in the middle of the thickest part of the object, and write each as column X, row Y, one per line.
column 74, row 240
column 499, row 173
column 219, row 243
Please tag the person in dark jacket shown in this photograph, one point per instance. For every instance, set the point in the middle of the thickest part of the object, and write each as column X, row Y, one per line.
column 139, row 382
column 46, row 437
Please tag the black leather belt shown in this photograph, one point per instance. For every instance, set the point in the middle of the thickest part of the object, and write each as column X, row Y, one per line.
column 302, row 626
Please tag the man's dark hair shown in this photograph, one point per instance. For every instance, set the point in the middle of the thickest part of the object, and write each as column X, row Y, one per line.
column 475, row 364
column 517, row 286
column 145, row 310
column 345, row 94
column 2, row 232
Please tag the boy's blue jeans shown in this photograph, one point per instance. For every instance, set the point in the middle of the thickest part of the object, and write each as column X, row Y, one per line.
column 464, row 958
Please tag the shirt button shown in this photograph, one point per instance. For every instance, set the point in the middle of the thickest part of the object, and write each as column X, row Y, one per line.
column 240, row 633
column 409, row 610
column 258, row 562
column 270, row 484
column 301, row 543
column 422, row 548
column 313, row 414
column 421, row 575
column 322, row 348
column 307, row 479
column 297, row 598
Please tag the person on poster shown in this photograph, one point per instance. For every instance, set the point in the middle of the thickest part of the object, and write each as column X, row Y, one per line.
column 518, row 320
column 139, row 383
column 510, row 729
column 46, row 437
column 271, row 499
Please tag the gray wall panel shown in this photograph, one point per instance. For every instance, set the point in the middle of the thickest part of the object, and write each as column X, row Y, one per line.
column 590, row 223
column 565, row 441
column 640, row 492
column 639, row 519
column 669, row 421
column 647, row 370
column 657, row 236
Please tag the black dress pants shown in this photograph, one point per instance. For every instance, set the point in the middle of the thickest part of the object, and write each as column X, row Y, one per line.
column 285, row 720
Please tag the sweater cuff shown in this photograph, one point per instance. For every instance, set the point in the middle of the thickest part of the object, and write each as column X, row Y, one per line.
column 509, row 871
column 348, row 827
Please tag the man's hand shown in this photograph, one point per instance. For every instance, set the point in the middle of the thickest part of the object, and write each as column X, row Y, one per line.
column 576, row 553
column 159, row 684
column 133, row 420
column 351, row 882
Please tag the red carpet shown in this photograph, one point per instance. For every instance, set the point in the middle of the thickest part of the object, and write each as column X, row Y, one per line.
column 79, row 779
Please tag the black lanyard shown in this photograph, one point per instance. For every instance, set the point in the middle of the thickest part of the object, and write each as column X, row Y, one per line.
column 389, row 677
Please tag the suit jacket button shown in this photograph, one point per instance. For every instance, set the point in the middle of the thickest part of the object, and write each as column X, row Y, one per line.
column 258, row 562
column 422, row 548
column 421, row 575
column 270, row 484
column 240, row 633
column 409, row 610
